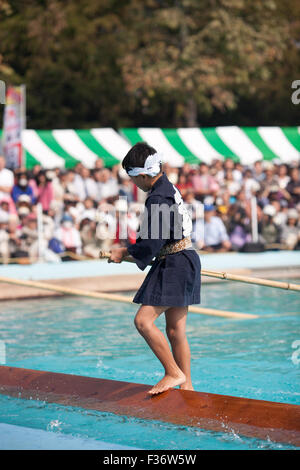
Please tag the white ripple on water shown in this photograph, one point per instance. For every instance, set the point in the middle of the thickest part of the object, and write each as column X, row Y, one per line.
column 54, row 425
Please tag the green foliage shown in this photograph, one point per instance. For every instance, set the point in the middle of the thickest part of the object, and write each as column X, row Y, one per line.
column 153, row 62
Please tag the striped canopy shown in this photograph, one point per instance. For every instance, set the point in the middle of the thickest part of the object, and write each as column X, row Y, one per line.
column 66, row 147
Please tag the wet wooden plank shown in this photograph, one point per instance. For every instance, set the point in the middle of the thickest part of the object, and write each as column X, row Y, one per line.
column 280, row 422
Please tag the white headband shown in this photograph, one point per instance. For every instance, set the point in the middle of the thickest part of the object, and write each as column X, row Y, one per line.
column 151, row 167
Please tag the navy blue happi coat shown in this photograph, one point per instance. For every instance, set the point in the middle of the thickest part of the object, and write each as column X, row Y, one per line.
column 175, row 280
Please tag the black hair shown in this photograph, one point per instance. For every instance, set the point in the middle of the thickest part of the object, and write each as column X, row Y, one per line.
column 137, row 156
column 21, row 174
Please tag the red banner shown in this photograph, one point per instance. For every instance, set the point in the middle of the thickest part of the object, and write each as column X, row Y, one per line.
column 12, row 127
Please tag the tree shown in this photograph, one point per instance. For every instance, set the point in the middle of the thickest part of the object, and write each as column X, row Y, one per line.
column 65, row 52
column 200, row 56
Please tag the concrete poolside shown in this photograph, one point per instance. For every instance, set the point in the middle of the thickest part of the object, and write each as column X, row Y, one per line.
column 98, row 275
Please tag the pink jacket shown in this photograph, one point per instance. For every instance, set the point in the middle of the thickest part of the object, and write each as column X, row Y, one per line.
column 45, row 195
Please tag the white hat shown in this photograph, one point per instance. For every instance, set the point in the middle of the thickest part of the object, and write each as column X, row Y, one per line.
column 208, row 200
column 269, row 210
column 292, row 214
column 121, row 205
column 50, row 174
column 88, row 214
column 23, row 210
column 267, row 165
column 4, row 217
column 24, row 198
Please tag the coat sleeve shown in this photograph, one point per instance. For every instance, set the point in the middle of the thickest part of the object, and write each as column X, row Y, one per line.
column 153, row 233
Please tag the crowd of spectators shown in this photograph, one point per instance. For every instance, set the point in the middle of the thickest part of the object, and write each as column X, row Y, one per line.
column 83, row 211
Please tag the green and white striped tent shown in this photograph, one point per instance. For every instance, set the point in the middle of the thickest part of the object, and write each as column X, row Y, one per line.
column 66, row 147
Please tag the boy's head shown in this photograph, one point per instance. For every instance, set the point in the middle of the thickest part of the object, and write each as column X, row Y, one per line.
column 143, row 164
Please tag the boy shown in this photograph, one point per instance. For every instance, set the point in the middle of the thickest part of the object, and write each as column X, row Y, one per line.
column 173, row 282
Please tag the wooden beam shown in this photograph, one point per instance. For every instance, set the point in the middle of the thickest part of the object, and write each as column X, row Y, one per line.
column 279, row 422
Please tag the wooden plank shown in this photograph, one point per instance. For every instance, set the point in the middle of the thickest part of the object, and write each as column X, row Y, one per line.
column 279, row 422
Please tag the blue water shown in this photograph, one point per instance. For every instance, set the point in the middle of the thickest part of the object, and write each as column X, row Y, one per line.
column 254, row 358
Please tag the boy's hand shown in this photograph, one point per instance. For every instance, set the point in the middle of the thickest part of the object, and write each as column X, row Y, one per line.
column 118, row 254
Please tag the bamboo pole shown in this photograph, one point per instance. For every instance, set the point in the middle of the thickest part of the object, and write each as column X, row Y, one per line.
column 228, row 276
column 252, row 280
column 27, row 260
column 117, row 297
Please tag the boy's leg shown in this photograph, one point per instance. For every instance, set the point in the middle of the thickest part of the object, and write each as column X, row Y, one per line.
column 144, row 322
column 175, row 327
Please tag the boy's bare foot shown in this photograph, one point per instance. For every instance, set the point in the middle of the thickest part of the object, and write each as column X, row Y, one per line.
column 167, row 382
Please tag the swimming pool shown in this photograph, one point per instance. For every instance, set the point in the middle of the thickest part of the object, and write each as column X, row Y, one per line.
column 254, row 358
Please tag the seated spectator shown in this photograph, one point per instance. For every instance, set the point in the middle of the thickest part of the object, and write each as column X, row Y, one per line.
column 107, row 185
column 268, row 230
column 203, row 183
column 53, row 176
column 282, row 176
column 269, row 184
column 45, row 192
column 36, row 169
column 24, row 206
column 48, row 225
column 91, row 245
column 68, row 235
column 28, row 234
column 250, row 185
column 4, row 238
column 241, row 200
column 24, row 200
column 236, row 168
column 238, row 172
column 293, row 186
column 222, row 211
column 126, row 189
column 115, row 171
column 183, row 184
column 87, row 209
column 290, row 234
column 33, row 244
column 95, row 237
column 280, row 216
column 104, row 234
column 185, row 169
column 230, row 185
column 85, row 185
column 258, row 173
column 67, row 182
column 21, row 188
column 23, row 212
column 4, row 209
column 6, row 179
column 215, row 234
column 74, row 209
column 217, row 170
column 239, row 228
column 8, row 207
column 277, row 188
column 99, row 164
